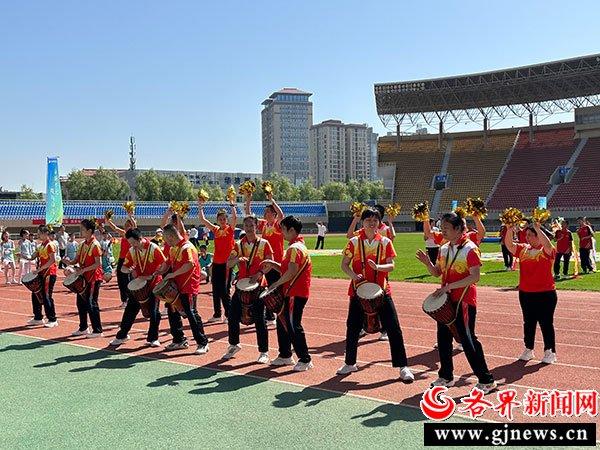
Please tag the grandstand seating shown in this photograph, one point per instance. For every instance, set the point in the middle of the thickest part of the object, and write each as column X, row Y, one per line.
column 475, row 165
column 528, row 172
column 29, row 210
column 417, row 161
column 584, row 187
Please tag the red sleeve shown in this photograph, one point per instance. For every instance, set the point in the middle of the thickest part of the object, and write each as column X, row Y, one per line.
column 159, row 256
column 236, row 251
column 519, row 249
column 261, row 225
column 96, row 251
column 438, row 237
column 187, row 255
column 128, row 260
column 473, row 236
column 268, row 253
column 51, row 250
column 473, row 258
column 390, row 251
column 349, row 250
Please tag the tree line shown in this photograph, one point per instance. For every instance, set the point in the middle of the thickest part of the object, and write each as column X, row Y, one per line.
column 150, row 185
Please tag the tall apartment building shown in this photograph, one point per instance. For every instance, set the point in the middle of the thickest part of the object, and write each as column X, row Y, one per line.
column 341, row 152
column 286, row 121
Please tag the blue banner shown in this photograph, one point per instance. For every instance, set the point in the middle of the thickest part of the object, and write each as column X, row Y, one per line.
column 54, row 201
column 542, row 202
column 454, row 205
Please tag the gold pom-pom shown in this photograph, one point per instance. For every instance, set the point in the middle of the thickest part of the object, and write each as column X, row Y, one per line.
column 267, row 187
column 231, row 195
column 420, row 211
column 357, row 208
column 108, row 214
column 511, row 217
column 174, row 206
column 393, row 209
column 247, row 188
column 541, row 215
column 203, row 195
column 475, row 207
column 460, row 212
column 129, row 207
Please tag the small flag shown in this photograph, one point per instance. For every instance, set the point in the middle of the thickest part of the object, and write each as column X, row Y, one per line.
column 542, row 202
column 454, row 205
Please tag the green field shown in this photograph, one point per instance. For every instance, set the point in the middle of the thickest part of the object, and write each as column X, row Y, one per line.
column 409, row 269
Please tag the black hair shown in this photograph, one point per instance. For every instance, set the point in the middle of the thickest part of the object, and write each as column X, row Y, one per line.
column 455, row 220
column 133, row 233
column 292, row 222
column 221, row 212
column 252, row 218
column 203, row 247
column 381, row 210
column 370, row 212
column 170, row 229
column 23, row 232
column 272, row 208
column 88, row 224
column 43, row 229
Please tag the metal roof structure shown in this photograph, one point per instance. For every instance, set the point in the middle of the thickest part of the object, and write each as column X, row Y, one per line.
column 558, row 86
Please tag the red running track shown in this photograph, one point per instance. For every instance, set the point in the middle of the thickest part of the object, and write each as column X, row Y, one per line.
column 577, row 322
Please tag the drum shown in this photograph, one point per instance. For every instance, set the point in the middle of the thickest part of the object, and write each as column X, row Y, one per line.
column 75, row 283
column 442, row 310
column 370, row 296
column 273, row 300
column 140, row 290
column 35, row 283
column 167, row 291
column 248, row 292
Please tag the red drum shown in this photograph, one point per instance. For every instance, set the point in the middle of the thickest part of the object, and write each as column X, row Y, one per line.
column 35, row 283
column 248, row 292
column 167, row 291
column 371, row 297
column 273, row 300
column 442, row 310
column 75, row 283
column 140, row 290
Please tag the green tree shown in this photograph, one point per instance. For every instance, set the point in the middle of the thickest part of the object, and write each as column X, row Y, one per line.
column 335, row 191
column 107, row 185
column 214, row 191
column 147, row 186
column 283, row 189
column 27, row 193
column 307, row 192
column 259, row 194
column 377, row 191
column 182, row 188
column 78, row 185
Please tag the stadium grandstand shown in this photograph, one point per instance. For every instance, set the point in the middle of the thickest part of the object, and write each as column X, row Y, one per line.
column 507, row 167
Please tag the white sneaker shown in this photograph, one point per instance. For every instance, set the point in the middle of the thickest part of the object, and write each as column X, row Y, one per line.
column 527, row 355
column 213, row 319
column 443, row 382
column 271, row 323
column 51, row 324
column 346, row 369
column 406, row 375
column 232, row 350
column 225, row 319
column 155, row 343
column 459, row 348
column 123, row 305
column 383, row 336
column 435, row 345
column 94, row 335
column 263, row 358
column 549, row 357
column 279, row 361
column 117, row 341
column 164, row 312
column 176, row 345
column 362, row 333
column 487, row 388
column 201, row 350
column 33, row 321
column 302, row 366
column 80, row 332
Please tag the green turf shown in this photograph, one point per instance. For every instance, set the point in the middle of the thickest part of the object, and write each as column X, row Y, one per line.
column 58, row 395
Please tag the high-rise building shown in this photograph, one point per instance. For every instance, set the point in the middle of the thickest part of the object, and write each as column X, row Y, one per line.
column 341, row 152
column 374, row 163
column 286, row 120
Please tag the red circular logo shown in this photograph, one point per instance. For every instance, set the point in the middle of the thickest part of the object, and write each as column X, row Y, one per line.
column 436, row 405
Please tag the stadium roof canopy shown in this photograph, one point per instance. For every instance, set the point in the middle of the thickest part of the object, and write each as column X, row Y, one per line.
column 538, row 89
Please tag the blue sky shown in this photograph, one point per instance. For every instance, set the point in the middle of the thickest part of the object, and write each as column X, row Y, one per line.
column 187, row 77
